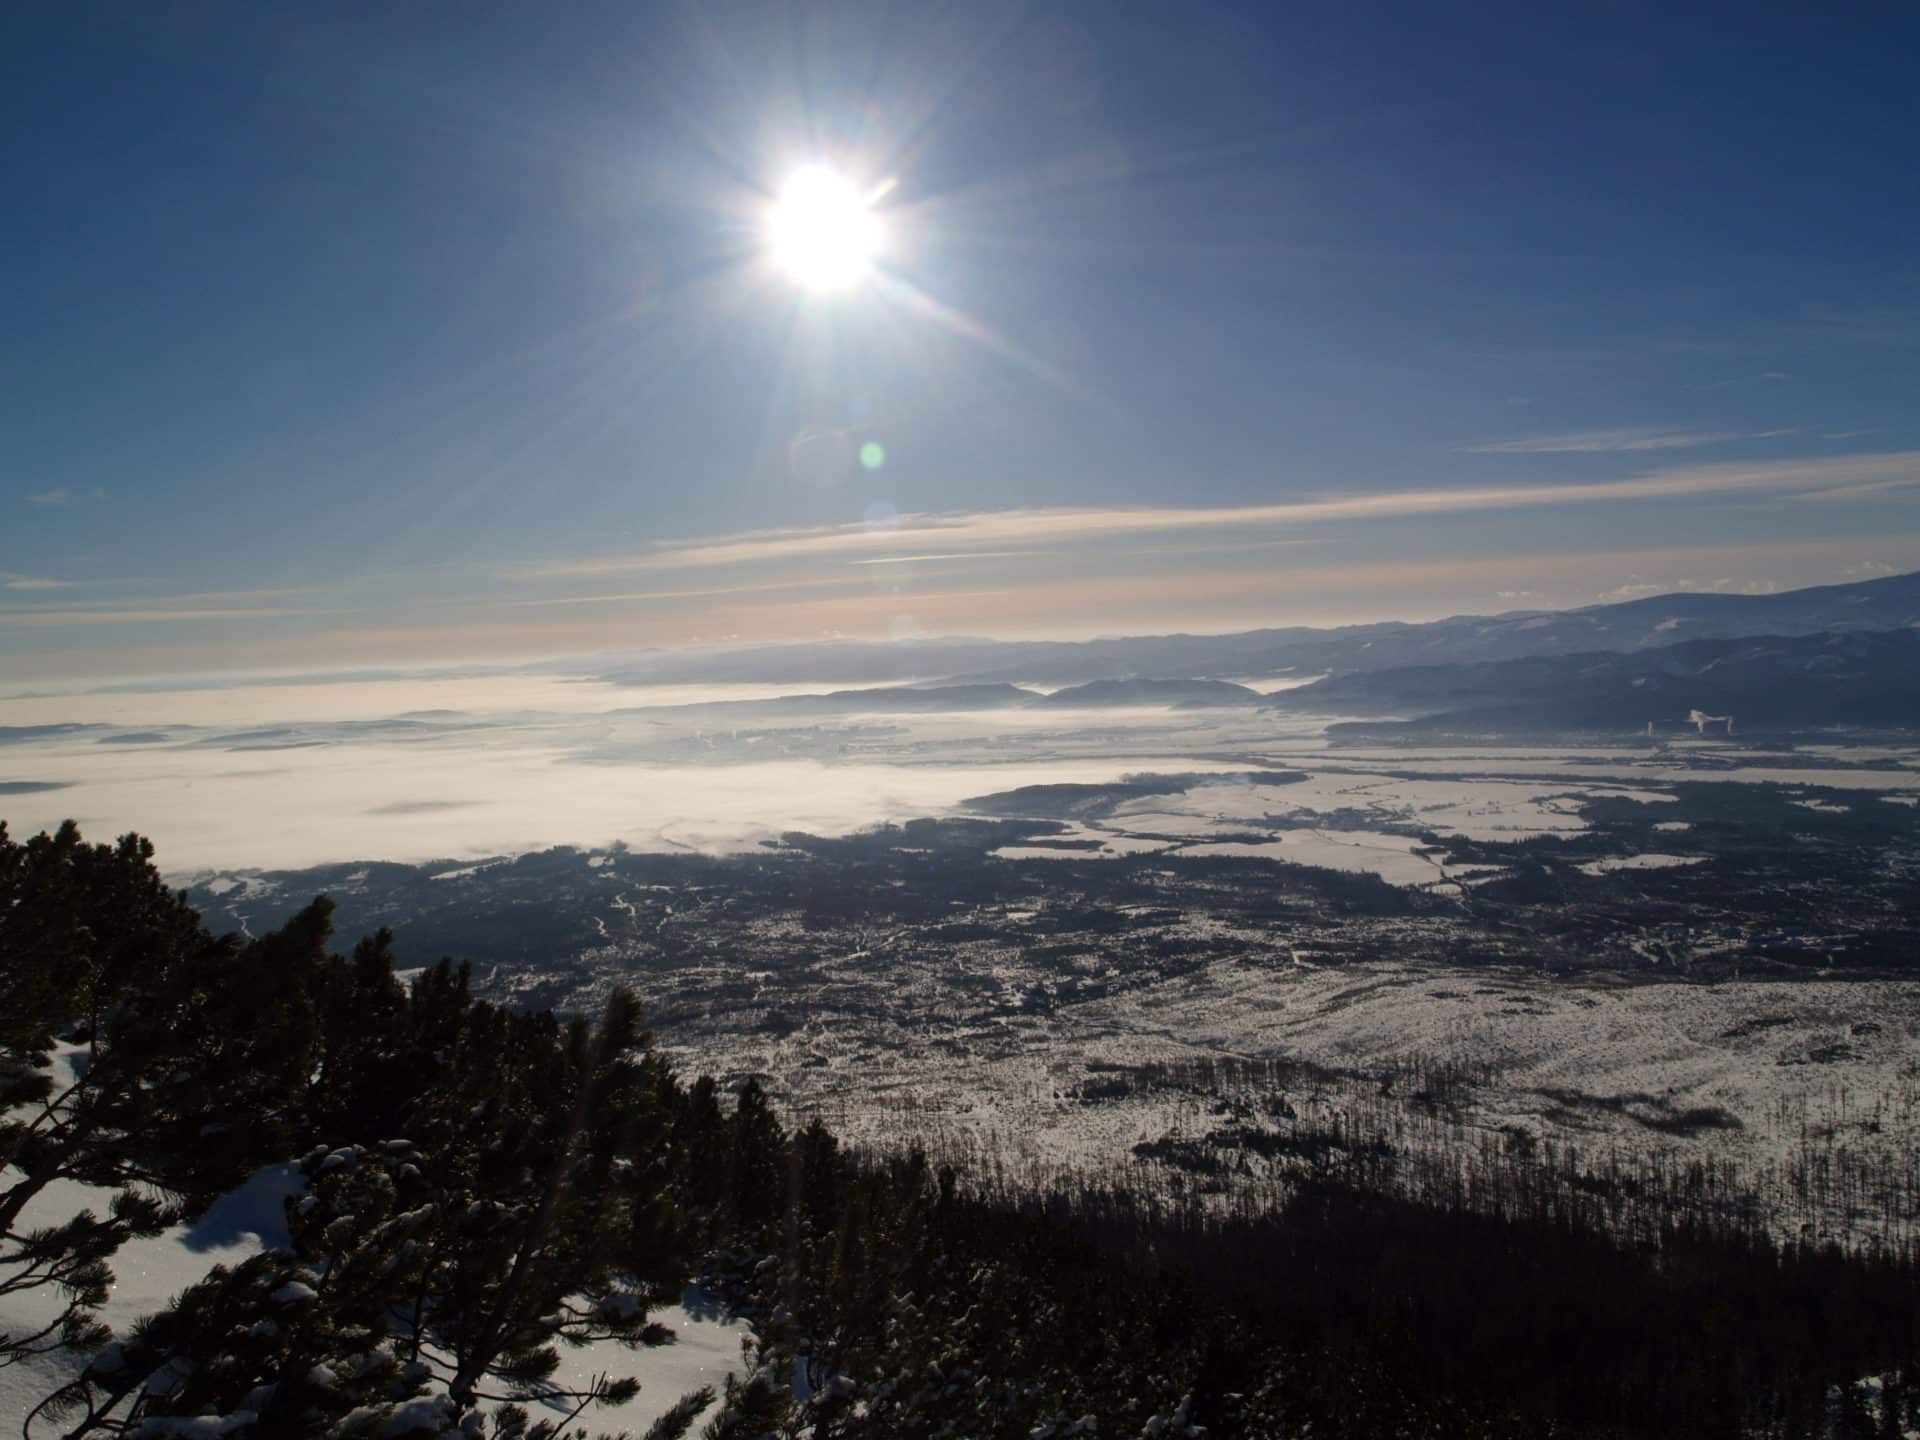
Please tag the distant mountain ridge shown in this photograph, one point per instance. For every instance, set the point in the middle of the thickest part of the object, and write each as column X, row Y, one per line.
column 1658, row 621
column 1866, row 677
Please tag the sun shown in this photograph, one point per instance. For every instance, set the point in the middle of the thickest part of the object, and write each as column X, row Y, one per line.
column 822, row 230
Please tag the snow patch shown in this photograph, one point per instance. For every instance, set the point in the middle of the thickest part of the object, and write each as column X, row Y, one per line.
column 1649, row 861
column 1825, row 807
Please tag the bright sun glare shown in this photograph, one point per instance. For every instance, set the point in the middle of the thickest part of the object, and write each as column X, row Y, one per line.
column 822, row 230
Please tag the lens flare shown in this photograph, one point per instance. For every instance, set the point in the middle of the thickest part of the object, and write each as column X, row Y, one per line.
column 822, row 230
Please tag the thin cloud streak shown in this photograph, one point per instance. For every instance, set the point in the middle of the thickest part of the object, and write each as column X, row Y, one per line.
column 1597, row 442
column 641, row 596
column 165, row 607
column 1866, row 491
column 953, row 555
column 1838, row 478
column 135, row 616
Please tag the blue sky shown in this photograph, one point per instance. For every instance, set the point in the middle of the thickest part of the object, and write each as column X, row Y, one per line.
column 375, row 334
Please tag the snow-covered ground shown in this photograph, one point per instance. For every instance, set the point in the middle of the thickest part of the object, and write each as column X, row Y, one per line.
column 1397, row 859
column 1597, row 1063
column 1647, row 861
column 1264, row 821
column 148, row 1273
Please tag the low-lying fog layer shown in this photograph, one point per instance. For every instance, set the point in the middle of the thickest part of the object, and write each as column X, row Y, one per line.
column 287, row 775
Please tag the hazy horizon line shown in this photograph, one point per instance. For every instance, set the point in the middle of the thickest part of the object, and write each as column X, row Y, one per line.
column 582, row 664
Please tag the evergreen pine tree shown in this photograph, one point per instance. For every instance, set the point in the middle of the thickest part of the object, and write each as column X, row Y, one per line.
column 435, row 1273
column 756, row 1170
column 138, row 1054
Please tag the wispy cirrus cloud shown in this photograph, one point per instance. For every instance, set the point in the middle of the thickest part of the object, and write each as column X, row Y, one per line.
column 996, row 532
column 141, row 615
column 703, row 592
column 952, row 555
column 161, row 609
column 10, row 581
column 65, row 495
column 1865, row 490
column 1601, row 442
